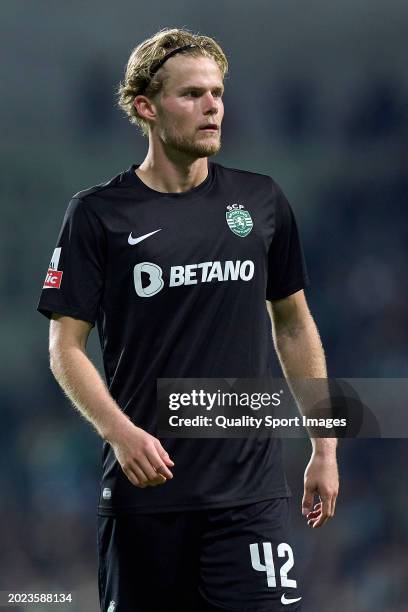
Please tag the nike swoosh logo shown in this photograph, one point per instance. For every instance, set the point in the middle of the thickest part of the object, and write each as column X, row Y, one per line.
column 137, row 240
column 286, row 601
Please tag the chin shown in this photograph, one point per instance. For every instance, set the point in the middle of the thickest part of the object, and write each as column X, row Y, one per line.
column 204, row 149
column 197, row 148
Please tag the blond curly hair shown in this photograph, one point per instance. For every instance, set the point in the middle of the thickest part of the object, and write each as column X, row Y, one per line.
column 138, row 78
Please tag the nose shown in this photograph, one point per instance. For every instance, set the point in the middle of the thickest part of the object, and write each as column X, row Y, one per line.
column 210, row 106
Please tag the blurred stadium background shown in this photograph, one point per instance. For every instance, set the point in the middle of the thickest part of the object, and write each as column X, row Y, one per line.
column 317, row 97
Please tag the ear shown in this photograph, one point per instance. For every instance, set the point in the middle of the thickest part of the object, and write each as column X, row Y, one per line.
column 145, row 107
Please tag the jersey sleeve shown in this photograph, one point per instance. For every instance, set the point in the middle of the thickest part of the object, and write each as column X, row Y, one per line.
column 287, row 271
column 74, row 281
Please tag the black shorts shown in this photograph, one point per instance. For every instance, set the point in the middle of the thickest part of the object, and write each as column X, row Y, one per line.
column 239, row 559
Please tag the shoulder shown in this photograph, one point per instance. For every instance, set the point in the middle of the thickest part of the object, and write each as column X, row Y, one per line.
column 264, row 188
column 238, row 173
column 102, row 191
column 254, row 179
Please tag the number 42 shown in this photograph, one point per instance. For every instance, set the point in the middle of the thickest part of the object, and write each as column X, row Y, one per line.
column 284, row 550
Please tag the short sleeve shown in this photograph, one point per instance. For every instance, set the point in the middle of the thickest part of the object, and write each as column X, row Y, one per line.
column 74, row 281
column 287, row 271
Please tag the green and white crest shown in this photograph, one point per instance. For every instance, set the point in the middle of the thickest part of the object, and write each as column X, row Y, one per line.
column 239, row 220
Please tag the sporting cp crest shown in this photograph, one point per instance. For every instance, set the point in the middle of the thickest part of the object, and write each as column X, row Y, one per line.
column 239, row 220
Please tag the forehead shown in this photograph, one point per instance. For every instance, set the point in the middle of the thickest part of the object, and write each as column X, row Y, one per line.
column 189, row 71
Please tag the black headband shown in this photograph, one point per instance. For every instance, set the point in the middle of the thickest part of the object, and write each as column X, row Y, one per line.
column 156, row 65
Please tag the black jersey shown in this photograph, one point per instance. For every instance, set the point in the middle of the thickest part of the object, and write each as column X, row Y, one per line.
column 177, row 283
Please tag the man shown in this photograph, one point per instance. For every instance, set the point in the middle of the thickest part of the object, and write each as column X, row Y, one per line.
column 173, row 259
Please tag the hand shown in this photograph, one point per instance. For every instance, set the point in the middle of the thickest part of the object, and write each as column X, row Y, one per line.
column 322, row 479
column 141, row 457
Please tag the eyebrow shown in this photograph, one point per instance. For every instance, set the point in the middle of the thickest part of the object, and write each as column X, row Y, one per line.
column 201, row 89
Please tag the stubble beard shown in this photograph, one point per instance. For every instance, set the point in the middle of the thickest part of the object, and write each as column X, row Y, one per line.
column 195, row 148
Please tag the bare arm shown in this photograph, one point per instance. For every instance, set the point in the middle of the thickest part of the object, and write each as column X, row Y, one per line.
column 141, row 456
column 301, row 355
column 292, row 322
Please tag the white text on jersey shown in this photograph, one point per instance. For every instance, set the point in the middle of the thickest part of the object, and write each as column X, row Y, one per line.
column 191, row 274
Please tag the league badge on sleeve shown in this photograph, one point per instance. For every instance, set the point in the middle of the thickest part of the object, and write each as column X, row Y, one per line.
column 54, row 276
column 239, row 220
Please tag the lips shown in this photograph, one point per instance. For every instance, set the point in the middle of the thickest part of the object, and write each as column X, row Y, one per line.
column 209, row 126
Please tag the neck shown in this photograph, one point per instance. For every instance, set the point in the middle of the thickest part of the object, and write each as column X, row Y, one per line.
column 172, row 173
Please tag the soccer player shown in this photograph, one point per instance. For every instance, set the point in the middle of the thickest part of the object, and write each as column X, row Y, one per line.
column 177, row 260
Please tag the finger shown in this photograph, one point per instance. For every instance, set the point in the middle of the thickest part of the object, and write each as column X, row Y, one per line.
column 157, row 464
column 307, row 501
column 326, row 505
column 320, row 522
column 143, row 477
column 324, row 512
column 164, row 455
column 153, row 478
column 331, row 504
column 316, row 509
column 136, row 477
column 316, row 520
column 158, row 480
